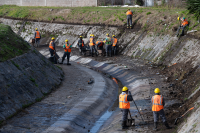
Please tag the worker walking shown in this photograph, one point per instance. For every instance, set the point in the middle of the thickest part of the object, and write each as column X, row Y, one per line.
column 129, row 15
column 158, row 104
column 81, row 45
column 37, row 37
column 92, row 45
column 184, row 23
column 114, row 45
column 108, row 41
column 67, row 47
column 100, row 45
column 52, row 49
column 124, row 105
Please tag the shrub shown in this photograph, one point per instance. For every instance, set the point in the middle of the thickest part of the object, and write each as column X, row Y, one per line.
column 194, row 7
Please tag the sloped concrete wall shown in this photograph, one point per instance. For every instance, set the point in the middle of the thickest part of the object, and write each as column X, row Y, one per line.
column 25, row 80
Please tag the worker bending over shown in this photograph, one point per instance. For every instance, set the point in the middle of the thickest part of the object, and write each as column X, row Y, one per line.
column 67, row 47
column 114, row 45
column 92, row 45
column 184, row 23
column 99, row 45
column 129, row 15
column 158, row 104
column 37, row 37
column 108, row 41
column 124, row 105
column 52, row 49
column 81, row 45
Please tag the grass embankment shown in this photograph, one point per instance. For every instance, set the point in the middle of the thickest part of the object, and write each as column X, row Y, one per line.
column 160, row 20
column 11, row 45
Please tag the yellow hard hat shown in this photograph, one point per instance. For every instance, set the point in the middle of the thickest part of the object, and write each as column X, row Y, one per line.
column 157, row 90
column 93, row 35
column 52, row 38
column 80, row 36
column 124, row 88
column 107, row 34
column 113, row 35
column 66, row 40
column 178, row 18
column 36, row 29
column 90, row 34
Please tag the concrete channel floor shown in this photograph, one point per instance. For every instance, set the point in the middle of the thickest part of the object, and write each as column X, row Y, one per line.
column 42, row 115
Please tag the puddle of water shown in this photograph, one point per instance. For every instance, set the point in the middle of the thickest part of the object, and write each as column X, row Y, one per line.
column 101, row 121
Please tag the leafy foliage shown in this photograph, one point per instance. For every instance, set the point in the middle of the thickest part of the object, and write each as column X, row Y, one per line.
column 194, row 7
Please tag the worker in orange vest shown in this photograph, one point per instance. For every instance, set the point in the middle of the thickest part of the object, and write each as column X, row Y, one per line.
column 114, row 45
column 81, row 45
column 158, row 104
column 37, row 37
column 100, row 45
column 52, row 49
column 184, row 23
column 92, row 45
column 67, row 47
column 124, row 105
column 129, row 15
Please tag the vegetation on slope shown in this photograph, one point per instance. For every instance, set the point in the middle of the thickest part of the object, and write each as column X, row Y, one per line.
column 11, row 45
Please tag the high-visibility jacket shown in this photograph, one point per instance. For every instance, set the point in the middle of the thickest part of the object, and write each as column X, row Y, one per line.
column 185, row 22
column 108, row 41
column 129, row 13
column 92, row 41
column 51, row 45
column 114, row 41
column 101, row 43
column 37, row 34
column 82, row 43
column 157, row 103
column 123, row 102
column 68, row 48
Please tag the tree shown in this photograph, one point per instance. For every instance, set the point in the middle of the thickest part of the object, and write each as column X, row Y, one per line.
column 194, row 7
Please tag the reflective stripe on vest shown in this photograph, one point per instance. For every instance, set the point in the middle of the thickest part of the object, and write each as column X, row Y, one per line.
column 108, row 41
column 123, row 102
column 81, row 43
column 129, row 13
column 185, row 22
column 67, row 48
column 91, row 41
column 157, row 103
column 37, row 34
column 51, row 45
column 115, row 41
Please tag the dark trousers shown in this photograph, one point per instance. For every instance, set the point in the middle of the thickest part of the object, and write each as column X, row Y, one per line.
column 64, row 55
column 124, row 114
column 129, row 20
column 114, row 49
column 100, row 48
column 108, row 48
column 52, row 55
column 181, row 27
column 160, row 113
column 93, row 49
column 37, row 42
column 81, row 49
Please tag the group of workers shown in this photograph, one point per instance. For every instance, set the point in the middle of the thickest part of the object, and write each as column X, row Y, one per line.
column 157, row 101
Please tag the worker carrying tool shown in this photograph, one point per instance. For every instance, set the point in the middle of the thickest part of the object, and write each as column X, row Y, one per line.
column 124, row 105
column 129, row 15
column 184, row 24
column 81, row 45
column 37, row 37
column 114, row 45
column 108, row 41
column 92, row 45
column 52, row 49
column 100, row 45
column 158, row 104
column 67, row 47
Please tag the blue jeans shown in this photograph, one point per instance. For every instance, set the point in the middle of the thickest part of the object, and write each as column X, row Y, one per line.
column 181, row 27
column 129, row 20
column 160, row 113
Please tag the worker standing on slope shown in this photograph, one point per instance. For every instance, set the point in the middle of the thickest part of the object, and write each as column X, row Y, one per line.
column 129, row 15
column 67, row 47
column 99, row 45
column 158, row 104
column 37, row 37
column 114, row 45
column 92, row 45
column 108, row 41
column 184, row 23
column 52, row 49
column 124, row 105
column 81, row 45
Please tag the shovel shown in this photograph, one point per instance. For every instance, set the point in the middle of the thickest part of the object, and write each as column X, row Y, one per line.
column 182, row 115
column 130, row 122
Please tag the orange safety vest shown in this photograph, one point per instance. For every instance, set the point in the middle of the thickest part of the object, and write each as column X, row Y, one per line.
column 67, row 48
column 123, row 102
column 82, row 43
column 37, row 34
column 114, row 41
column 91, row 41
column 101, row 43
column 51, row 45
column 129, row 13
column 157, row 103
column 185, row 22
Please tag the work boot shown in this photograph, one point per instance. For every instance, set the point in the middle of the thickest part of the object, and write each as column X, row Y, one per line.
column 127, row 26
column 68, row 62
column 167, row 126
column 106, row 54
column 124, row 126
column 130, row 27
column 155, row 126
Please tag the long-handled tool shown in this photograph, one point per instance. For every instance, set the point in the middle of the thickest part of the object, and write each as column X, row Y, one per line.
column 182, row 115
column 139, row 112
column 131, row 122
